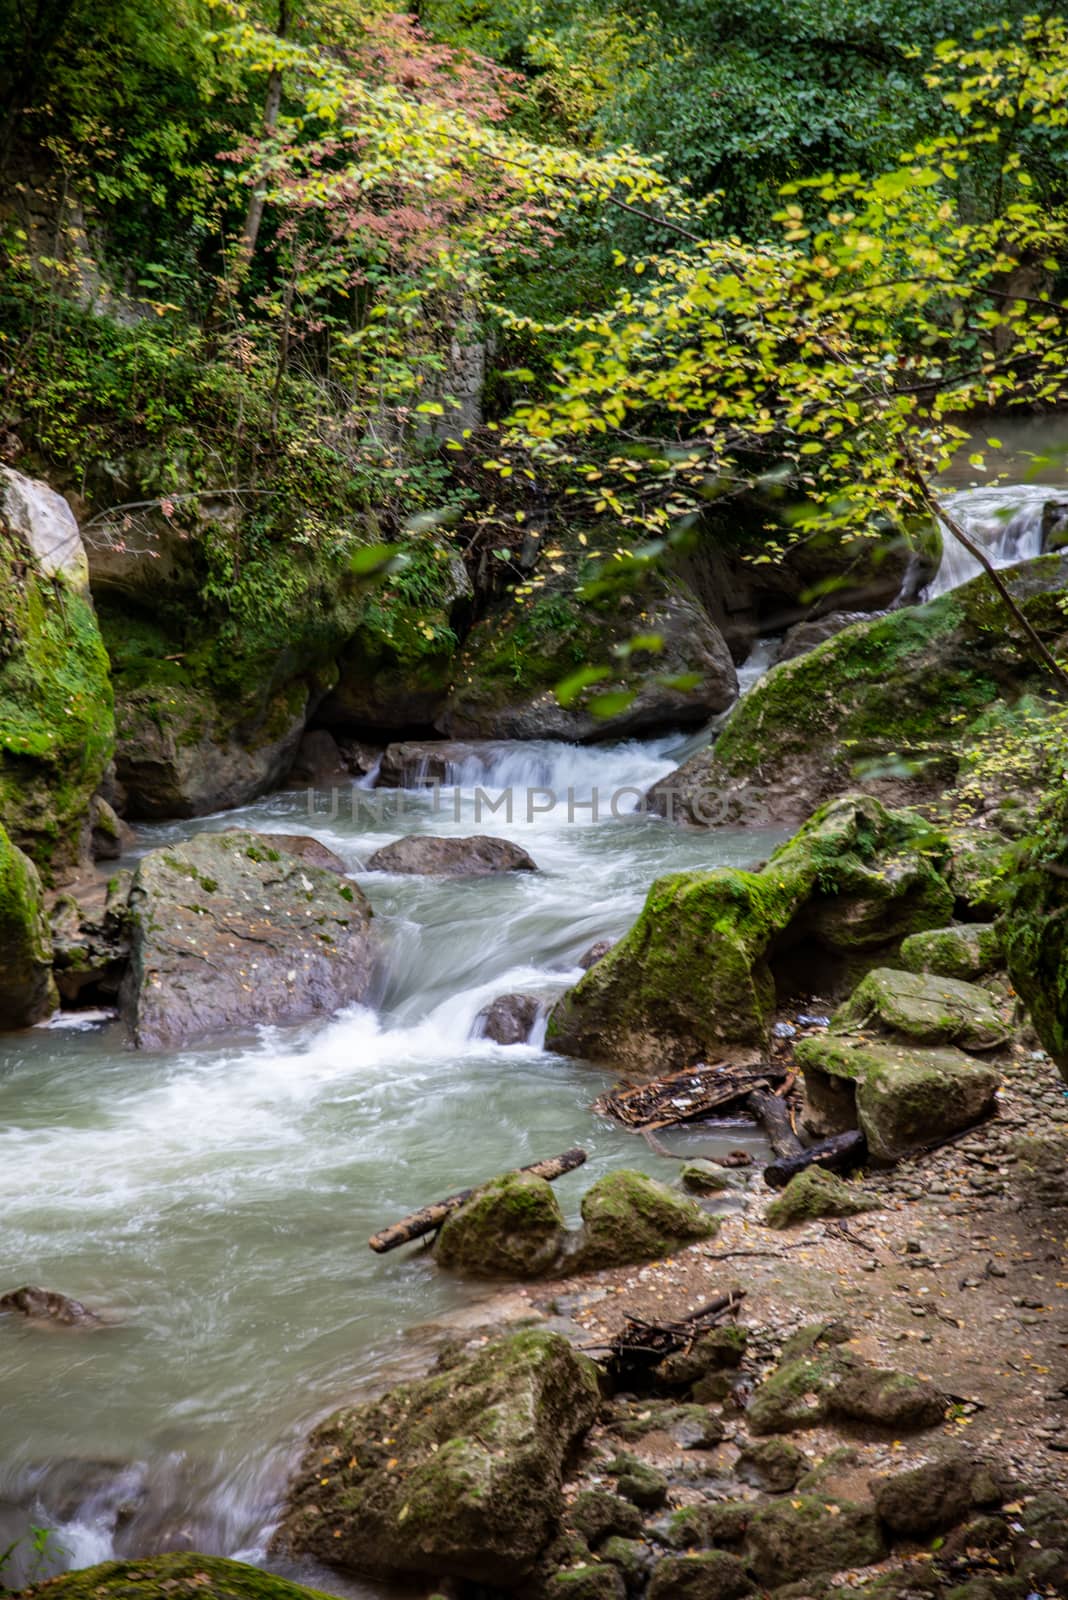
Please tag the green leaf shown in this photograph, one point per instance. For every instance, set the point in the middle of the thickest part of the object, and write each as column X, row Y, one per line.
column 610, row 705
column 568, row 689
column 375, row 560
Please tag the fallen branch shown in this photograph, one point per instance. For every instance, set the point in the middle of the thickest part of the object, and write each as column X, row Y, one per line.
column 685, row 1096
column 840, row 1154
column 773, row 1115
column 429, row 1218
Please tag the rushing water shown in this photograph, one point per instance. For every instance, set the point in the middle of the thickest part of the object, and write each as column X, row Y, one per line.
column 1005, row 521
column 217, row 1200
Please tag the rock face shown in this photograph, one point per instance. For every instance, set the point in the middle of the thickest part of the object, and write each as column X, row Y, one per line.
column 700, row 966
column 426, row 855
column 512, row 1228
column 882, row 706
column 511, row 663
column 56, row 721
column 627, row 1217
column 968, row 951
column 227, row 931
column 181, row 1577
column 179, row 754
column 900, row 1096
column 815, row 1193
column 510, row 1019
column 456, row 1475
column 27, row 989
column 923, row 1009
column 90, row 947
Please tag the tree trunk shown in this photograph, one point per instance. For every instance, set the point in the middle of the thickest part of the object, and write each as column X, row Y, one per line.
column 773, row 1115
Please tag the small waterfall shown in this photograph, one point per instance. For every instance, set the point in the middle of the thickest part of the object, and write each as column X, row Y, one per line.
column 1006, row 521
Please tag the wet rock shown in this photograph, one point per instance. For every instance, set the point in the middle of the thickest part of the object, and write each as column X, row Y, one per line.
column 805, row 636
column 704, row 1177
column 226, row 931
column 602, row 1582
column 590, row 957
column 807, row 1536
column 420, row 763
column 46, row 1305
column 923, row 1009
column 702, row 1527
column 179, row 1577
column 109, row 836
column 900, row 1096
column 638, row 1482
column 816, row 1193
column 27, row 990
column 773, row 1465
column 711, row 1575
column 302, row 847
column 929, row 1497
column 512, row 1227
column 691, row 1427
column 596, row 1513
column 426, row 855
column 700, row 967
column 457, row 1475
column 1035, row 931
column 90, row 946
column 627, row 1217
column 510, row 1019
column 631, row 1557
column 968, row 951
column 318, row 759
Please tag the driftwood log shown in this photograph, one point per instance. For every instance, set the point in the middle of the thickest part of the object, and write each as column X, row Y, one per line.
column 773, row 1114
column 685, row 1096
column 430, row 1218
column 840, row 1154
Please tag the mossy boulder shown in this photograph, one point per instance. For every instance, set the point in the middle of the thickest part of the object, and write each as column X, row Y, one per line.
column 926, row 1498
column 806, row 1535
column 718, row 1350
column 882, row 706
column 709, row 1575
column 826, row 1380
column 704, row 1177
column 602, row 1581
column 923, row 1009
column 705, row 1526
column 596, row 1513
column 968, row 951
column 631, row 1557
column 454, row 1475
column 797, row 1394
column 227, row 931
column 816, row 1193
column 27, row 988
column 512, row 1227
column 627, row 1217
column 56, row 719
column 180, row 1577
column 701, row 965
column 773, row 1465
column 512, row 661
column 900, row 1096
column 1035, row 930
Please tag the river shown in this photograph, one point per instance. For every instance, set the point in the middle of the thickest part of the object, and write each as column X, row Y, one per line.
column 217, row 1201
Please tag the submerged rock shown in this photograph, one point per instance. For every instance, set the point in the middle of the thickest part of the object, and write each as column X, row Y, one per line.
column 510, row 1019
column 419, row 763
column 968, row 951
column 699, row 968
column 427, row 855
column 226, row 931
column 512, row 1227
column 923, row 1009
column 816, row 1193
column 627, row 1217
column 27, row 989
column 47, row 1305
column 180, row 1577
column 900, row 1096
column 590, row 957
column 455, row 1475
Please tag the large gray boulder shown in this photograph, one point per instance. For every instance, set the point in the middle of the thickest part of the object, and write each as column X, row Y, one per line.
column 44, row 519
column 923, row 1009
column 228, row 931
column 430, row 856
column 455, row 1475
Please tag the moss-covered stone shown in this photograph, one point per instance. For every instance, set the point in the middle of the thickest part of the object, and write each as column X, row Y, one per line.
column 797, row 1394
column 704, row 1177
column 27, row 988
column 56, row 720
column 512, row 1227
column 715, row 1351
column 632, row 1557
column 698, row 969
column 181, row 1577
column 627, row 1217
column 601, row 1582
column 773, row 1465
column 458, row 1474
column 887, row 1398
column 816, row 1193
column 883, row 705
column 596, row 1513
column 710, row 1575
column 639, row 1482
column 967, row 951
column 1035, row 930
column 923, row 1009
column 928, row 1497
column 900, row 1096
column 806, row 1535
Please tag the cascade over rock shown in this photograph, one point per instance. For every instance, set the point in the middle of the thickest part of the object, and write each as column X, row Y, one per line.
column 880, row 707
column 698, row 970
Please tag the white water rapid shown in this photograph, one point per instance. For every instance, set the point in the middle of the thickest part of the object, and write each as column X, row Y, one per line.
column 1005, row 521
column 216, row 1201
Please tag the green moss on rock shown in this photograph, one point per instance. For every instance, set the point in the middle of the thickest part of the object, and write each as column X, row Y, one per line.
column 27, row 988
column 816, row 1193
column 968, row 951
column 512, row 1227
column 180, row 1577
column 627, row 1217
column 807, row 1536
column 709, row 1575
column 924, row 1010
column 697, row 970
column 1035, row 930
